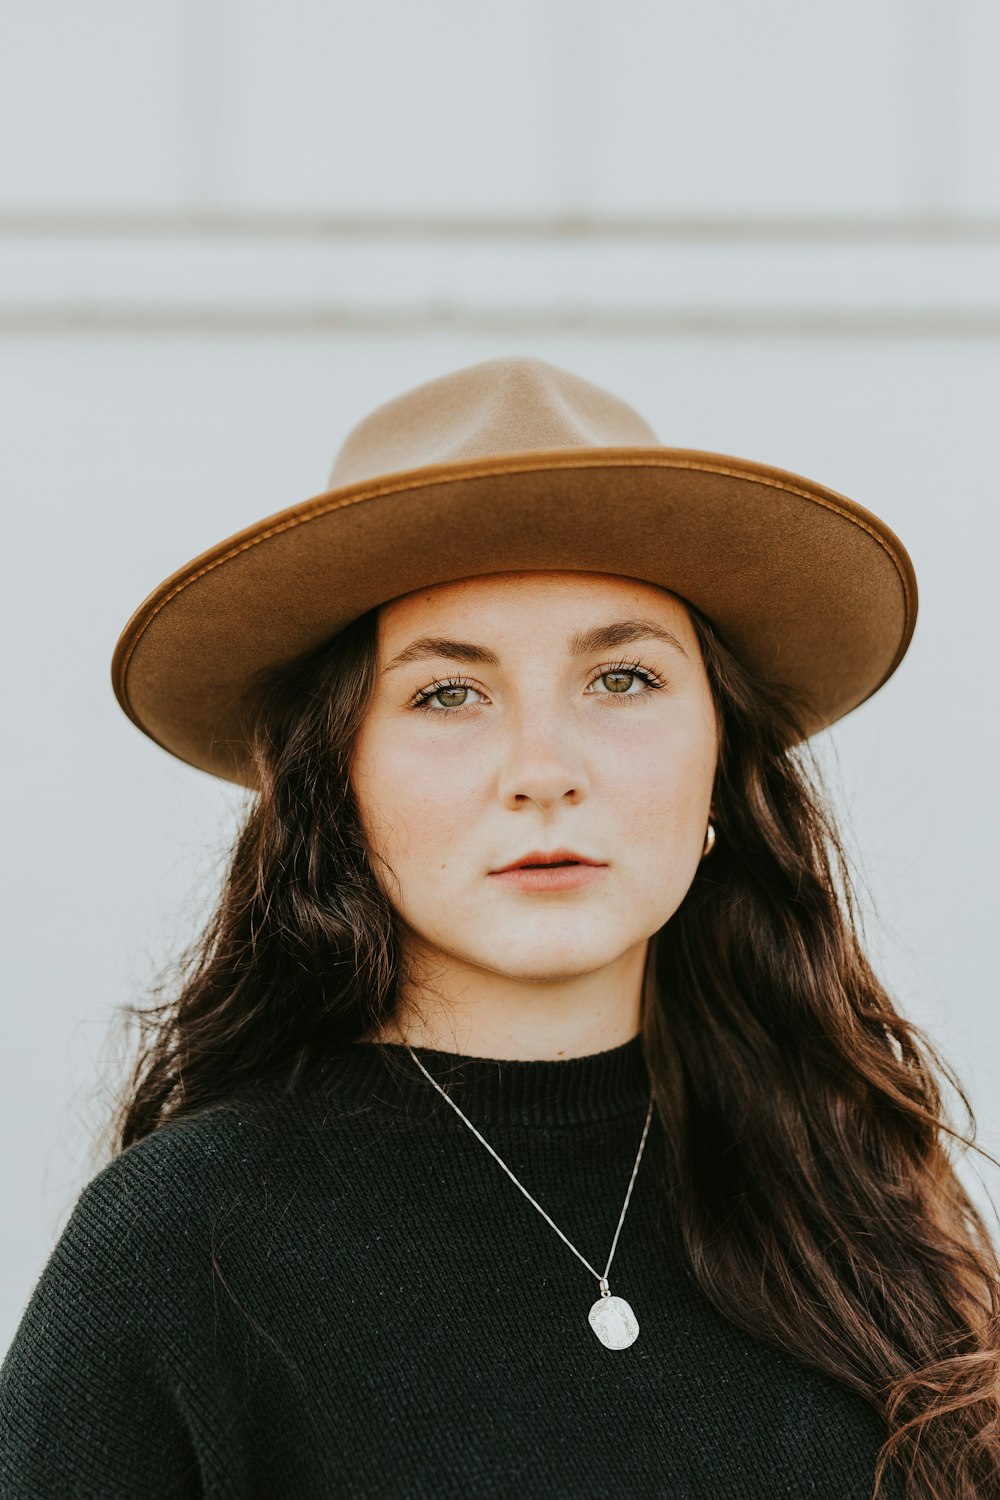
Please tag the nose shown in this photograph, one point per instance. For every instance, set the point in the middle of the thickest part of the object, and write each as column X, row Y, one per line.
column 542, row 759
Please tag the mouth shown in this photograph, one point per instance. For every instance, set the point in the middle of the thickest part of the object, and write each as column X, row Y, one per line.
column 550, row 870
column 537, row 859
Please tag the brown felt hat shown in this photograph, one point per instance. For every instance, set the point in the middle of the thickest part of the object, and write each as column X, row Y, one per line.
column 509, row 465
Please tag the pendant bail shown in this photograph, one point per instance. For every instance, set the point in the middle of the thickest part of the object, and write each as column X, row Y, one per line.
column 605, row 1289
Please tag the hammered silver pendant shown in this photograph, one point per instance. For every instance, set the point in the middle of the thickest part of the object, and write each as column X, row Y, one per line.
column 614, row 1322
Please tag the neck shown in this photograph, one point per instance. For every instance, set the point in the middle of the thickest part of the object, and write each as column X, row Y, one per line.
column 482, row 1014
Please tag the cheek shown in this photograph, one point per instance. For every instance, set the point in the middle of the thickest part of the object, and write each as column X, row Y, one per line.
column 660, row 785
column 422, row 806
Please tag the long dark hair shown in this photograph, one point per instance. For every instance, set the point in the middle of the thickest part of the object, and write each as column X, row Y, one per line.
column 804, row 1117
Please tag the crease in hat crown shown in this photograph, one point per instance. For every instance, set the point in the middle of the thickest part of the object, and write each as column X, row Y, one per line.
column 511, row 404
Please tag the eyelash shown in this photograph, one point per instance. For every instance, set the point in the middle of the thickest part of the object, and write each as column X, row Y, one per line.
column 653, row 682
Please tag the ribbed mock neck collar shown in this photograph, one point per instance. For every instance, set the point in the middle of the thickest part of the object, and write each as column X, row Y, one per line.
column 565, row 1091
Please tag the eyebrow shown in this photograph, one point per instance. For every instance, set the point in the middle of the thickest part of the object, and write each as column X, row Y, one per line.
column 582, row 643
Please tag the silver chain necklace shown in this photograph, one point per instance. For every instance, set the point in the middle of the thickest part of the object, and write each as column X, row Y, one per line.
column 611, row 1318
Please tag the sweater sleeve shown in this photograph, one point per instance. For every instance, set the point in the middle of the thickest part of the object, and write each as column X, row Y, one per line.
column 88, row 1404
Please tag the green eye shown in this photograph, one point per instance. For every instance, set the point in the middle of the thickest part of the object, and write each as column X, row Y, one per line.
column 630, row 670
column 439, row 689
column 452, row 696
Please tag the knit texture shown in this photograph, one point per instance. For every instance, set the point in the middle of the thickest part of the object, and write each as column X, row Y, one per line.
column 338, row 1291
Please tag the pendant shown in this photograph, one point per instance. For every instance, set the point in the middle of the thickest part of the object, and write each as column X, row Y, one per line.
column 613, row 1320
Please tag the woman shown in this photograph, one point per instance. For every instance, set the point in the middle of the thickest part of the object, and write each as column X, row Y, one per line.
column 527, row 1119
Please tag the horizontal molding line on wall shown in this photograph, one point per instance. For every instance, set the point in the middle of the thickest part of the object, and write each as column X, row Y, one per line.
column 397, row 284
column 654, row 323
column 707, row 228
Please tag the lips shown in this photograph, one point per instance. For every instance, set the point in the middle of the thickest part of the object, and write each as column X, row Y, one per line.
column 540, row 857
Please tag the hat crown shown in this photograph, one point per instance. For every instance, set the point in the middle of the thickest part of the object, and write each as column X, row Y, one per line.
column 513, row 404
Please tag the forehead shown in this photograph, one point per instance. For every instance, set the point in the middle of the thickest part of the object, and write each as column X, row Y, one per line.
column 498, row 600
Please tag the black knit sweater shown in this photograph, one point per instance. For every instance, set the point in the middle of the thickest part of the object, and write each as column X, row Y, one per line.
column 339, row 1292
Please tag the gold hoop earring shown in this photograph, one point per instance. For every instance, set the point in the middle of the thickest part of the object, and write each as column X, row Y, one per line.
column 709, row 840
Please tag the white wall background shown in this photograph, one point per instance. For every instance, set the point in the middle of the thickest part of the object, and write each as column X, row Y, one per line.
column 227, row 230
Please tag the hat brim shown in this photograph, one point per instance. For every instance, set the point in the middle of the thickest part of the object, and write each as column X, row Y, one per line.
column 806, row 586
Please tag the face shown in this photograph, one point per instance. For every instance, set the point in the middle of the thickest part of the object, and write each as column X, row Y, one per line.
column 526, row 712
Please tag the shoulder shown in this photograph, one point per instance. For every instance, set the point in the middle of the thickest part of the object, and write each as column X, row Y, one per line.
column 225, row 1194
column 240, row 1160
column 140, row 1244
column 191, row 1160
column 97, row 1379
column 165, row 1191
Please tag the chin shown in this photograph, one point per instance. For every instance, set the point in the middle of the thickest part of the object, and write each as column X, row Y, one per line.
column 539, row 963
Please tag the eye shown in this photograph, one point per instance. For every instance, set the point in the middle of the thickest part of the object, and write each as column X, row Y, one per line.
column 443, row 689
column 624, row 675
